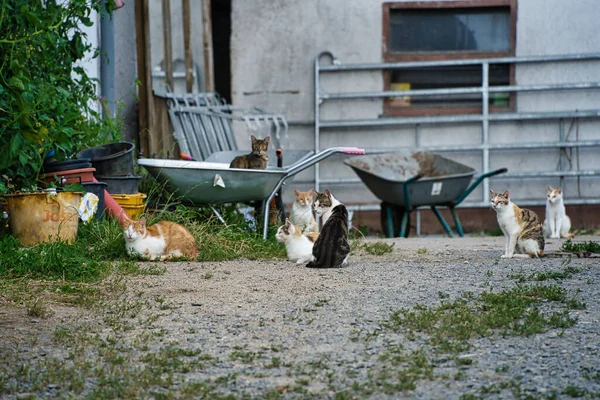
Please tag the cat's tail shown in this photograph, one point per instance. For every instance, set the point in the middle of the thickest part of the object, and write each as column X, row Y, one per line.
column 314, row 264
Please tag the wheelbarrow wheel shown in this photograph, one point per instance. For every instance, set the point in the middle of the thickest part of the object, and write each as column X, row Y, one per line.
column 392, row 222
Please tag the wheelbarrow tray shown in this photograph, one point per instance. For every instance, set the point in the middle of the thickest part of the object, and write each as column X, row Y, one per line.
column 442, row 182
column 194, row 181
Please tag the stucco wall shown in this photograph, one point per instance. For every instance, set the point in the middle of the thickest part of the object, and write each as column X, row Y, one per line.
column 273, row 45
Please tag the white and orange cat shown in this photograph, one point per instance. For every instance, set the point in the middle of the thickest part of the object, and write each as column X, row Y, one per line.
column 557, row 223
column 161, row 241
column 302, row 213
column 298, row 246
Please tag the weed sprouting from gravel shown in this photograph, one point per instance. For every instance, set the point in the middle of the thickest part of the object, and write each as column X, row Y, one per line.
column 589, row 246
column 376, row 248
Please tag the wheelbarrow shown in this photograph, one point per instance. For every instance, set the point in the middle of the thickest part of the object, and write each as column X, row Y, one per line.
column 405, row 181
column 208, row 183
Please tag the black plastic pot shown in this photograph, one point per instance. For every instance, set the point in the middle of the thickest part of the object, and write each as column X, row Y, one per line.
column 56, row 166
column 98, row 189
column 121, row 184
column 111, row 159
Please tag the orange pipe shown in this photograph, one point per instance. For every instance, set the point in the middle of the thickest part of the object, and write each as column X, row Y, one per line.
column 114, row 209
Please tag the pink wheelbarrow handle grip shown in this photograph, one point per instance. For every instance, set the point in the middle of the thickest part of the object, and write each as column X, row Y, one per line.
column 353, row 150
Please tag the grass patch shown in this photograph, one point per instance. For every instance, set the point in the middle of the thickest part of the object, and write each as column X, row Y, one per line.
column 589, row 246
column 450, row 326
column 376, row 248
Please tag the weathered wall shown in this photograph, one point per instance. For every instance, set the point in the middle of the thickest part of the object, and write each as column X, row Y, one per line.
column 274, row 43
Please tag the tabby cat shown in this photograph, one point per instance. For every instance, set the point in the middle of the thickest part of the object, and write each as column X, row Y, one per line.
column 257, row 159
column 332, row 247
column 297, row 246
column 557, row 223
column 521, row 227
column 160, row 241
column 302, row 213
column 324, row 204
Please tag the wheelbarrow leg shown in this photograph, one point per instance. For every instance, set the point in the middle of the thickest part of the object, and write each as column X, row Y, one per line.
column 404, row 228
column 440, row 218
column 457, row 222
column 388, row 216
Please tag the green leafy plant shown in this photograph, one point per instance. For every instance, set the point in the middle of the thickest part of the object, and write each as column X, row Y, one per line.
column 46, row 98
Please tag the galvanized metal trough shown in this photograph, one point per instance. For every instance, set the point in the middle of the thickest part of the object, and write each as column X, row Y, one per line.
column 206, row 182
column 407, row 180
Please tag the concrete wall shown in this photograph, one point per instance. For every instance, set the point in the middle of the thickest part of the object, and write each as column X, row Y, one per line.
column 273, row 45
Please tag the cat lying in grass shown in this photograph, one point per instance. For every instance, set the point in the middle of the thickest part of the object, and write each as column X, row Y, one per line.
column 161, row 241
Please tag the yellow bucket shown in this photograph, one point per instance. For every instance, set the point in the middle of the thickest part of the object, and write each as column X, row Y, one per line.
column 44, row 216
column 133, row 204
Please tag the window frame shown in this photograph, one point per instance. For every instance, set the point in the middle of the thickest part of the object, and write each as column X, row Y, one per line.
column 388, row 56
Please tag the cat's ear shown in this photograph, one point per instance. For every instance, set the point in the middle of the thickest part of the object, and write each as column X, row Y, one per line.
column 253, row 138
column 492, row 193
column 266, row 140
column 559, row 189
column 296, row 192
column 311, row 192
column 327, row 193
column 506, row 194
column 142, row 221
column 550, row 188
column 288, row 222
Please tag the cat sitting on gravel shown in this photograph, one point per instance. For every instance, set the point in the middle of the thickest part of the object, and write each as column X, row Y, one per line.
column 324, row 204
column 161, row 241
column 557, row 223
column 297, row 245
column 332, row 247
column 302, row 212
column 521, row 227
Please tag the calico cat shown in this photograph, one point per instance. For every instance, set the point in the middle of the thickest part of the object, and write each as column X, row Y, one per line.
column 324, row 204
column 557, row 223
column 332, row 247
column 302, row 214
column 521, row 227
column 298, row 246
column 160, row 241
column 257, row 159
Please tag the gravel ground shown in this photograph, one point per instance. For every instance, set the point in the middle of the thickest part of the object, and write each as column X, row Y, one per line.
column 276, row 328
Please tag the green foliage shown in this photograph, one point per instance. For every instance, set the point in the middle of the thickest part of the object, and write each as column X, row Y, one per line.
column 46, row 98
column 580, row 247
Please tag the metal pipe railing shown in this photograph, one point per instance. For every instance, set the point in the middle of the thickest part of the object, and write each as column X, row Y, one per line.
column 485, row 117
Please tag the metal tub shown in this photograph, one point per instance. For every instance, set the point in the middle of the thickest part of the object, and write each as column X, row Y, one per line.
column 440, row 181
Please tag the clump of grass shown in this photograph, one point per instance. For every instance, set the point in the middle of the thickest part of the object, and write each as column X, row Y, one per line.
column 589, row 246
column 422, row 251
column 451, row 325
column 377, row 248
column 38, row 309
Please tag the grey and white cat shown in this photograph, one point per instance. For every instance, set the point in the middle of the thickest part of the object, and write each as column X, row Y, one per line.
column 297, row 245
column 332, row 247
column 324, row 203
column 521, row 227
column 557, row 223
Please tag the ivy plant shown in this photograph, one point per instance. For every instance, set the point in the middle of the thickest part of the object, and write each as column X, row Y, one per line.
column 47, row 101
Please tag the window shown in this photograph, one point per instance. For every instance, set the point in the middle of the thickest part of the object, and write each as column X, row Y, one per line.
column 444, row 30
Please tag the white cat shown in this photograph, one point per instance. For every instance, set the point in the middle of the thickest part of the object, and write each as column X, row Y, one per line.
column 324, row 204
column 302, row 213
column 557, row 223
column 298, row 246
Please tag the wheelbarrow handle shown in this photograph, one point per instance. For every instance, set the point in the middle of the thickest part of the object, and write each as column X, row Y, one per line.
column 479, row 179
column 353, row 150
